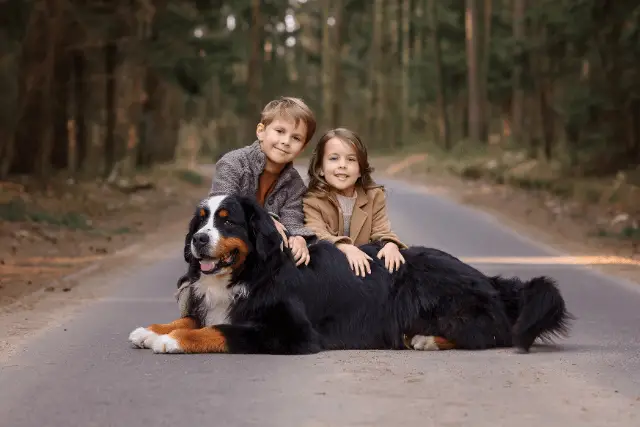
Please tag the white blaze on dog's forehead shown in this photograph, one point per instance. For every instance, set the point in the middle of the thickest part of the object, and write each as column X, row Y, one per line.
column 212, row 204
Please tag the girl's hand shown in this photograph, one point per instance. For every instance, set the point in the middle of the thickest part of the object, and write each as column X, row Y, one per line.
column 358, row 260
column 392, row 256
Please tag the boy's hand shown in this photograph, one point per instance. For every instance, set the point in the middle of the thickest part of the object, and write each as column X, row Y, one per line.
column 392, row 256
column 299, row 250
column 297, row 244
column 358, row 260
column 282, row 230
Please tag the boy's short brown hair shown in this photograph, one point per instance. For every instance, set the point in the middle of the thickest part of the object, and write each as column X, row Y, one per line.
column 290, row 107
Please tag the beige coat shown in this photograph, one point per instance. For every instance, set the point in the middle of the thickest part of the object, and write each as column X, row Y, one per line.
column 369, row 221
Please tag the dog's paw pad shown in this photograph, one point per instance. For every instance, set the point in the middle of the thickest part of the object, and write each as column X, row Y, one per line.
column 142, row 337
column 166, row 344
column 424, row 343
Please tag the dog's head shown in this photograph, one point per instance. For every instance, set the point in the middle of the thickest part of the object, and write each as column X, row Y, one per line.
column 226, row 231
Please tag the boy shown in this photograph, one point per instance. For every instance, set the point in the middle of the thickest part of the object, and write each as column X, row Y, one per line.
column 265, row 169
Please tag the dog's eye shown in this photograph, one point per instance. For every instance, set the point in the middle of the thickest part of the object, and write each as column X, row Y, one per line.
column 228, row 223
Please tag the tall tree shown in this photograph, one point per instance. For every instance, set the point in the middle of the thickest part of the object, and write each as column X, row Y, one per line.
column 443, row 120
column 406, row 55
column 473, row 75
column 518, row 92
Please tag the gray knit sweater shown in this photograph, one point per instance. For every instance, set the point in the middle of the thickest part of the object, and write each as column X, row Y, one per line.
column 238, row 172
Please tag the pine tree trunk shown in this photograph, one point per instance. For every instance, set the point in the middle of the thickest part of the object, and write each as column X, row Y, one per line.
column 327, row 63
column 418, row 48
column 390, row 77
column 336, row 86
column 111, row 54
column 27, row 80
column 484, row 72
column 42, row 167
column 472, row 45
column 374, row 90
column 518, row 93
column 443, row 121
column 406, row 54
column 254, row 75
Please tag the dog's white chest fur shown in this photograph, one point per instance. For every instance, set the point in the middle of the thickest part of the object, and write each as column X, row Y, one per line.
column 217, row 297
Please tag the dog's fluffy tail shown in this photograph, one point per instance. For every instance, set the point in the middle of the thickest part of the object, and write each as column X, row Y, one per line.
column 541, row 313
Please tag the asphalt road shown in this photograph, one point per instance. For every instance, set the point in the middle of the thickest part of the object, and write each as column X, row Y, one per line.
column 83, row 372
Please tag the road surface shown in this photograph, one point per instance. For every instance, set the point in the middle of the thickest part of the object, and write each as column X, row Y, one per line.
column 83, row 372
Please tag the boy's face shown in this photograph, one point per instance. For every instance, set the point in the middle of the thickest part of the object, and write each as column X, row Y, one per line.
column 282, row 140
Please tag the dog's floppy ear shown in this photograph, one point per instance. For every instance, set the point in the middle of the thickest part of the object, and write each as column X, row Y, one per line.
column 193, row 227
column 192, row 274
column 262, row 230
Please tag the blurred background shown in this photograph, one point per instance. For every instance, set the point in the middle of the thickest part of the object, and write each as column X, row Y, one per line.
column 88, row 84
column 110, row 109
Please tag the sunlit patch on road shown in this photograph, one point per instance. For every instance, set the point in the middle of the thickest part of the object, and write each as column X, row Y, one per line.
column 554, row 260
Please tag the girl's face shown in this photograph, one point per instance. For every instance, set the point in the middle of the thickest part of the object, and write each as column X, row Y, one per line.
column 340, row 166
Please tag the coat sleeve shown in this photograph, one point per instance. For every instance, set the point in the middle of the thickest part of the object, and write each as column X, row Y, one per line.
column 380, row 224
column 314, row 221
column 227, row 177
column 291, row 214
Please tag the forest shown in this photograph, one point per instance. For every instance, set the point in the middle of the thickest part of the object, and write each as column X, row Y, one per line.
column 96, row 88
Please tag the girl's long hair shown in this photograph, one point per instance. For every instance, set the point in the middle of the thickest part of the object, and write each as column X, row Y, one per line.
column 317, row 184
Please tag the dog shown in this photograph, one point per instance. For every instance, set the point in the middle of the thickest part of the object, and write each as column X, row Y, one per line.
column 243, row 293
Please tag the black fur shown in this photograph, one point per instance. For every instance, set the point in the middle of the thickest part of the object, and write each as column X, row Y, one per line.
column 325, row 306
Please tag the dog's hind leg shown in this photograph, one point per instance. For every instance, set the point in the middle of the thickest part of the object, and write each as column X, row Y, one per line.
column 425, row 335
column 145, row 337
column 477, row 331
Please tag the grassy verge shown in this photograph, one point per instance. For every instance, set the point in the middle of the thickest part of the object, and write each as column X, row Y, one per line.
column 613, row 201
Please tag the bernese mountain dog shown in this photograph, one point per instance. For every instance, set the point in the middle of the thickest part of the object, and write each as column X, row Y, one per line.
column 244, row 294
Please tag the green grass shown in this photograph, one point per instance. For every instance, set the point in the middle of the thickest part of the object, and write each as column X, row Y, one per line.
column 190, row 176
column 16, row 210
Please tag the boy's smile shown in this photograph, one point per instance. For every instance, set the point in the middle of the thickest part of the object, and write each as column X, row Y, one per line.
column 281, row 141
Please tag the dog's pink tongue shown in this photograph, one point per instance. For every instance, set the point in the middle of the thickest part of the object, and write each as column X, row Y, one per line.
column 206, row 266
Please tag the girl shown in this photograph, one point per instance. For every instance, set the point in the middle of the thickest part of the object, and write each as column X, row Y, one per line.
column 345, row 206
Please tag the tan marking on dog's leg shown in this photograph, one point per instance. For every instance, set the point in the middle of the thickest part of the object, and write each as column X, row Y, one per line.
column 145, row 337
column 205, row 340
column 430, row 343
column 165, row 328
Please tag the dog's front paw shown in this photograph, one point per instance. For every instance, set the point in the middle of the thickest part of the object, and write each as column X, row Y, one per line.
column 142, row 337
column 166, row 344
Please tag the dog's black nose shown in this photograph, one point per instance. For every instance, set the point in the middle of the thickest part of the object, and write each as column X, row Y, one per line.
column 200, row 239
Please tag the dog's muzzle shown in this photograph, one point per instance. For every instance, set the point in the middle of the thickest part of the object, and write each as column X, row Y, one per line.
column 202, row 250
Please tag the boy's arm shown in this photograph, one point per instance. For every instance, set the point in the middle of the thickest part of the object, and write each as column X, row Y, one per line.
column 313, row 220
column 291, row 214
column 380, row 224
column 227, row 178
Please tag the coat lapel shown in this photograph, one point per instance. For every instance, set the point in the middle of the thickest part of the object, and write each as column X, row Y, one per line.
column 359, row 216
